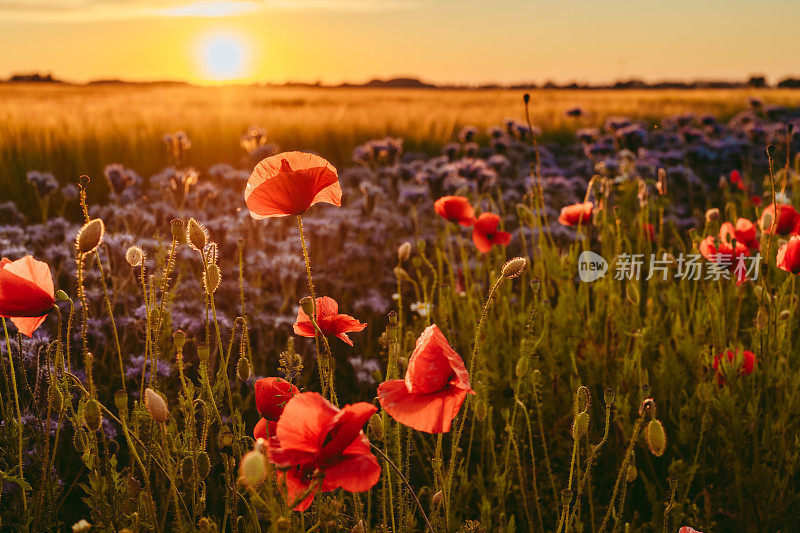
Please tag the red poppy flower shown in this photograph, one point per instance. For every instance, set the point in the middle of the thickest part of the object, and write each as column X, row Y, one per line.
column 736, row 177
column 575, row 214
column 485, row 233
column 744, row 232
column 329, row 320
column 649, row 232
column 271, row 396
column 725, row 255
column 289, row 183
column 26, row 292
column 315, row 440
column 755, row 200
column 455, row 209
column 784, row 223
column 687, row 529
column 788, row 257
column 435, row 386
column 747, row 361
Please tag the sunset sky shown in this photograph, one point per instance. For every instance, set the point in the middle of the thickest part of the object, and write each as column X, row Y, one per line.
column 445, row 41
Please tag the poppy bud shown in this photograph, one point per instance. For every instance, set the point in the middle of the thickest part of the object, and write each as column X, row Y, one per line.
column 436, row 500
column 196, row 235
column 90, row 236
column 404, row 252
column 225, row 437
column 631, row 473
column 61, row 296
column 536, row 284
column 176, row 227
column 526, row 98
column 609, row 395
column 359, row 527
column 762, row 318
column 253, row 469
column 134, row 256
column 785, row 314
column 180, row 339
column 712, row 214
column 156, row 406
column 655, row 437
column 55, row 396
column 203, row 464
column 523, row 366
column 581, row 425
column 92, row 418
column 211, row 278
column 187, row 469
column 307, row 305
column 243, row 369
column 481, row 409
column 376, row 427
column 514, row 267
column 760, row 293
column 400, row 273
column 282, row 525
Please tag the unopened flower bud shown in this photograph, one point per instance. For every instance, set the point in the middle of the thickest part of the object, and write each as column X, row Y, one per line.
column 581, row 425
column 187, row 469
column 62, row 296
column 514, row 267
column 481, row 409
column 178, row 233
column 404, row 252
column 55, row 396
column 523, row 366
column 243, row 369
column 359, row 527
column 196, row 235
column 655, row 437
column 156, row 406
column 211, row 278
column 376, row 427
column 712, row 214
column 92, row 417
column 631, row 473
column 253, row 469
column 121, row 401
column 784, row 314
column 400, row 273
column 437, row 499
column 90, row 236
column 134, row 256
column 203, row 464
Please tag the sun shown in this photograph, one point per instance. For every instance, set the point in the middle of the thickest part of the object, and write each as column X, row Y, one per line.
column 224, row 56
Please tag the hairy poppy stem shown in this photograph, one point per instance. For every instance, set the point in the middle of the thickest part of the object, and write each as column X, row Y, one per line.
column 419, row 505
column 19, row 415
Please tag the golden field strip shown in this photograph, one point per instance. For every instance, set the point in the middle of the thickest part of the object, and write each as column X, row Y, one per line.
column 70, row 130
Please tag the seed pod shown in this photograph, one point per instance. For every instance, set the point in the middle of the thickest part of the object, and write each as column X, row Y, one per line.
column 196, row 235
column 609, row 395
column 90, row 236
column 253, row 469
column 376, row 427
column 631, row 473
column 187, row 469
column 203, row 465
column 211, row 278
column 180, row 339
column 92, row 417
column 581, row 425
column 404, row 252
column 156, row 406
column 61, row 296
column 566, row 497
column 655, row 437
column 176, row 227
column 202, row 353
column 121, row 401
column 243, row 369
column 523, row 366
column 514, row 267
column 134, row 256
column 225, row 437
column 307, row 305
column 481, row 409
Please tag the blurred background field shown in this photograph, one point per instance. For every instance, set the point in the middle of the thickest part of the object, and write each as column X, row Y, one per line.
column 71, row 130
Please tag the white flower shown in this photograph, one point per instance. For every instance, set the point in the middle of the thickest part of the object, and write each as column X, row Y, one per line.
column 423, row 309
column 81, row 526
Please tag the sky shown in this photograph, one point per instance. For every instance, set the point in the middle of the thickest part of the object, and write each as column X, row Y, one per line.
column 442, row 41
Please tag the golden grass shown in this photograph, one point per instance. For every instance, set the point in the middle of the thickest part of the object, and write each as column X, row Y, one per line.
column 71, row 130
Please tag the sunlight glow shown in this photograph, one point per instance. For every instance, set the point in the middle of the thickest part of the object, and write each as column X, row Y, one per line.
column 224, row 57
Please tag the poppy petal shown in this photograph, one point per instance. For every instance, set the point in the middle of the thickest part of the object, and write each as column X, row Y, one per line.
column 433, row 363
column 347, row 425
column 431, row 413
column 354, row 473
column 305, row 422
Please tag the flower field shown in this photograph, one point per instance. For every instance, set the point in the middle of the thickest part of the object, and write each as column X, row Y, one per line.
column 574, row 321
